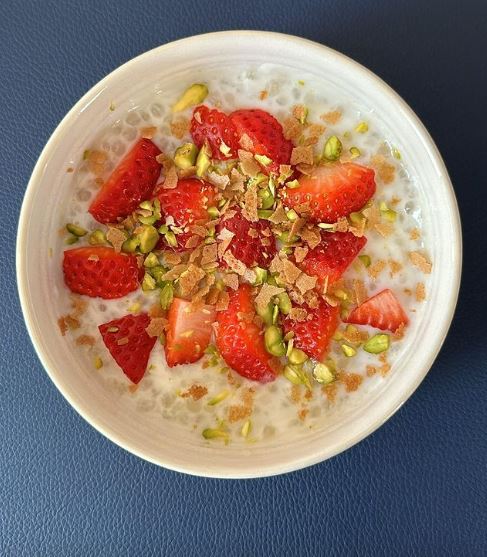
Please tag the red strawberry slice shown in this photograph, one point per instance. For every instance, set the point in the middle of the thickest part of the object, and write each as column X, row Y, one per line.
column 241, row 342
column 313, row 336
column 265, row 133
column 187, row 203
column 129, row 344
column 257, row 248
column 332, row 255
column 131, row 182
column 216, row 128
column 188, row 333
column 333, row 191
column 101, row 271
column 382, row 311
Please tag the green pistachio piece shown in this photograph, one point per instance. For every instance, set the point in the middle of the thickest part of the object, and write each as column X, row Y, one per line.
column 297, row 356
column 362, row 127
column 387, row 213
column 263, row 160
column 326, row 226
column 292, row 375
column 148, row 283
column 396, row 153
column 260, row 275
column 215, row 434
column 131, row 244
column 70, row 240
column 171, row 239
column 275, row 314
column 193, row 95
column 285, row 305
column 246, row 428
column 356, row 218
column 355, row 152
column 76, row 230
column 203, row 160
column 213, row 212
column 148, row 238
column 264, row 213
column 185, row 155
column 166, row 296
column 266, row 314
column 218, row 398
column 292, row 215
column 366, row 261
column 332, row 149
column 151, row 260
column 293, row 184
column 323, row 373
column 348, row 350
column 266, row 197
column 273, row 341
column 97, row 237
column 147, row 205
column 157, row 272
column 98, row 362
column 377, row 344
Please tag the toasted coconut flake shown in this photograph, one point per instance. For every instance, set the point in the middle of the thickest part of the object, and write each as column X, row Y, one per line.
column 331, row 300
column 296, row 227
column 189, row 279
column 300, row 112
column 385, row 170
column 235, row 264
column 305, row 168
column 332, row 117
column 341, row 225
column 420, row 261
column 279, row 215
column 116, row 237
column 414, row 234
column 246, row 143
column 385, row 229
column 376, row 268
column 395, row 267
column 156, row 311
column 149, row 132
column 180, row 127
column 156, row 326
column 175, row 272
column 237, row 180
column 302, row 155
column 312, row 299
column 298, row 314
column 221, row 181
column 195, row 392
column 251, row 204
column 225, row 238
column 372, row 215
column 300, row 253
column 249, row 276
column 223, row 301
column 292, row 128
column 171, row 179
column 248, row 164
column 209, row 254
column 311, row 236
column 265, row 295
column 359, row 290
column 276, row 265
column 186, row 172
column 195, row 254
column 231, row 280
column 306, row 282
column 198, row 230
column 290, row 272
column 172, row 258
column 85, row 340
column 420, row 292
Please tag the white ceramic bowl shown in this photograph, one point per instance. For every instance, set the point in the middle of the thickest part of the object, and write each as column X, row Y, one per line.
column 36, row 277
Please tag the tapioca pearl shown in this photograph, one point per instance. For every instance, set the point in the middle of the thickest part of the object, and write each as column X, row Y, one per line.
column 145, row 405
column 129, row 134
column 118, row 147
column 82, row 195
column 410, row 208
column 157, row 110
column 133, row 118
column 268, row 431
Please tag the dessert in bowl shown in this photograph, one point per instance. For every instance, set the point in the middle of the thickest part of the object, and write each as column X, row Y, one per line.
column 237, row 272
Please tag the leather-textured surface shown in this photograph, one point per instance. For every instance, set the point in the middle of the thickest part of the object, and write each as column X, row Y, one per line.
column 415, row 487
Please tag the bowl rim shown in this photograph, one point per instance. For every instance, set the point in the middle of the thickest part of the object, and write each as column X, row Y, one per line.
column 292, row 464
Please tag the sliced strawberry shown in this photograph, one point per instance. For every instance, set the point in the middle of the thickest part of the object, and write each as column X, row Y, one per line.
column 131, row 182
column 382, row 311
column 258, row 247
column 332, row 255
column 101, row 271
column 313, row 336
column 129, row 344
column 216, row 128
column 189, row 332
column 333, row 191
column 187, row 203
column 241, row 342
column 265, row 133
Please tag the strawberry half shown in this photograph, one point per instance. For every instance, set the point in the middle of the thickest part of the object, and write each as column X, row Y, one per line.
column 131, row 182
column 101, row 271
column 333, row 191
column 187, row 203
column 313, row 336
column 129, row 344
column 241, row 342
column 266, row 135
column 188, row 333
column 216, row 128
column 382, row 311
column 257, row 249
column 332, row 256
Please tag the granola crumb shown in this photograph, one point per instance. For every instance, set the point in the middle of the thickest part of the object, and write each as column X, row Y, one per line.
column 331, row 117
column 263, row 94
column 385, row 170
column 376, row 269
column 302, row 155
column 352, row 381
column 330, row 391
column 195, row 392
column 303, row 413
column 420, row 261
column 420, row 292
column 414, row 234
column 179, row 128
column 85, row 340
column 148, row 132
column 63, row 327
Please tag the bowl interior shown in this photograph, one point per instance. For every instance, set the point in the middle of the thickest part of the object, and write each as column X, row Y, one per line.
column 41, row 285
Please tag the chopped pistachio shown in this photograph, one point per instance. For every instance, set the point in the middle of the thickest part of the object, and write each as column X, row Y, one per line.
column 166, row 296
column 262, row 159
column 366, row 261
column 356, row 218
column 86, row 154
column 396, row 153
column 300, row 82
column 377, row 344
column 185, row 155
column 362, row 127
column 332, row 149
column 70, row 240
column 290, row 345
column 246, row 428
column 388, row 214
column 134, row 308
column 157, row 272
column 97, row 237
column 215, row 434
column 355, row 152
column 203, row 160
column 324, row 373
column 213, row 212
column 273, row 341
column 348, row 350
column 275, row 314
column 337, row 335
column 304, row 115
column 326, row 226
column 218, row 398
column 98, row 362
column 76, row 230
column 266, row 314
column 171, row 239
column 225, row 149
column 148, row 283
column 285, row 305
column 292, row 215
column 340, row 294
column 260, row 275
column 149, row 213
column 264, row 213
column 297, row 356
column 266, row 197
column 148, row 238
column 193, row 95
column 293, row 184
column 211, row 349
column 151, row 260
column 292, row 375
column 131, row 244
column 146, row 205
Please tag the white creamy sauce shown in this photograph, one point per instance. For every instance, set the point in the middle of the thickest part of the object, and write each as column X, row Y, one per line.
column 274, row 414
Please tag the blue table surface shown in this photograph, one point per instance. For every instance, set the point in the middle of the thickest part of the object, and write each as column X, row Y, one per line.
column 415, row 487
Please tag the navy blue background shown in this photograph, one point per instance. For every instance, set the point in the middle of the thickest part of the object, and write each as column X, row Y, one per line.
column 415, row 487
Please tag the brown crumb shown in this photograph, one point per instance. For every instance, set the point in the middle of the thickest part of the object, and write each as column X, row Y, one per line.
column 420, row 292
column 371, row 370
column 179, row 128
column 303, row 413
column 330, row 391
column 171, row 179
column 244, row 410
column 225, row 237
column 231, row 280
column 265, row 295
column 223, row 301
column 148, row 133
column 300, row 253
column 72, row 322
column 116, row 237
column 246, row 143
column 290, row 272
column 420, row 261
column 192, row 241
column 63, row 327
column 263, row 94
column 306, row 282
column 302, row 155
column 235, row 264
column 298, row 314
column 385, row 170
column 296, row 393
column 395, row 267
column 352, row 381
column 414, row 234
column 189, row 279
column 69, row 169
column 300, row 112
column 376, row 269
column 292, row 129
column 251, row 204
column 156, row 327
column 279, row 215
column 385, row 229
column 133, row 388
column 331, row 117
column 311, row 236
column 248, row 164
column 195, row 392
column 85, row 340
column 172, row 258
column 221, row 181
column 209, row 254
